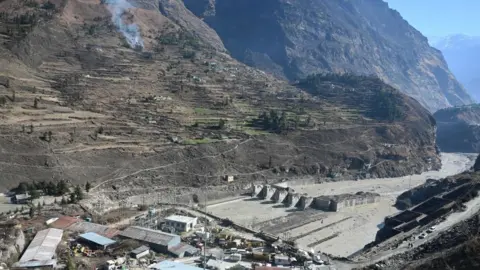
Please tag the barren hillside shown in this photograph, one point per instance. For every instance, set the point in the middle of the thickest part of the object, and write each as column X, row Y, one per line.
column 139, row 97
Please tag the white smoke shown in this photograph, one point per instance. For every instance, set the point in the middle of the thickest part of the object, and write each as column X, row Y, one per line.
column 131, row 32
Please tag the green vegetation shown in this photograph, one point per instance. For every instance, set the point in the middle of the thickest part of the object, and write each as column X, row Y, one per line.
column 183, row 38
column 48, row 6
column 378, row 100
column 385, row 106
column 48, row 188
column 279, row 122
column 88, row 186
column 198, row 141
column 200, row 110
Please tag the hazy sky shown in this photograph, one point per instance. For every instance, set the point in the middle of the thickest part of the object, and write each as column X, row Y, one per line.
column 440, row 17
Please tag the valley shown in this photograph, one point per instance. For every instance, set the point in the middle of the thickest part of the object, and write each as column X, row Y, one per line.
column 127, row 118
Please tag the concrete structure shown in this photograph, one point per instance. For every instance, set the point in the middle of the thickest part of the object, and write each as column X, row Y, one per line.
column 41, row 251
column 157, row 240
column 256, row 190
column 229, row 178
column 304, row 202
column 336, row 202
column 279, row 195
column 140, row 252
column 96, row 240
column 322, row 203
column 181, row 223
column 292, row 199
column 267, row 192
column 173, row 266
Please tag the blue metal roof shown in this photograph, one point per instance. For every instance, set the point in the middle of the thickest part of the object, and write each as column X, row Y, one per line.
column 97, row 239
column 173, row 265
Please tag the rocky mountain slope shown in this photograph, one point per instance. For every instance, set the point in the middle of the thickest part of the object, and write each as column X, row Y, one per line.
column 141, row 97
column 294, row 39
column 462, row 53
column 459, row 129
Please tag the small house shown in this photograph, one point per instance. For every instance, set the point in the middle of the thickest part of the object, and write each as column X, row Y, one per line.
column 229, row 178
column 140, row 252
column 181, row 223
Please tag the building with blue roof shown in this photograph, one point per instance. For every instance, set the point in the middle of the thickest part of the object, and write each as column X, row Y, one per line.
column 96, row 240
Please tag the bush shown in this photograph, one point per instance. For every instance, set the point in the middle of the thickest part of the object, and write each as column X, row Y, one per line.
column 48, row 6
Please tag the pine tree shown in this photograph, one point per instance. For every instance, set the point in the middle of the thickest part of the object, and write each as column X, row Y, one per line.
column 78, row 193
column 31, row 212
column 88, row 186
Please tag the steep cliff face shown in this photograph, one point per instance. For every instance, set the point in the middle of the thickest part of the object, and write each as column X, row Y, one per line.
column 459, row 129
column 296, row 38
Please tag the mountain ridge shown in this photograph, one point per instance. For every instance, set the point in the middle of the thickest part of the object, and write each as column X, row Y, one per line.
column 462, row 53
column 296, row 39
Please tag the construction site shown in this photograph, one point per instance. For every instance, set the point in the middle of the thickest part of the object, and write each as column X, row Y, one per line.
column 337, row 218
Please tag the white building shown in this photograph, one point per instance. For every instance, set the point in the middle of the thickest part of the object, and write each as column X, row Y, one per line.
column 282, row 260
column 181, row 223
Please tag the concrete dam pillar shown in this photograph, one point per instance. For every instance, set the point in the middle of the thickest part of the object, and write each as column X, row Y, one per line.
column 292, row 199
column 256, row 190
column 280, row 195
column 304, row 202
column 267, row 192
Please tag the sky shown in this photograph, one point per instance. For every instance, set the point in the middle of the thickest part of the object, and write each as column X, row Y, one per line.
column 439, row 18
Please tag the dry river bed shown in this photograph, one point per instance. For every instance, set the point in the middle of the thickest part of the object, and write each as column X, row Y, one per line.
column 341, row 233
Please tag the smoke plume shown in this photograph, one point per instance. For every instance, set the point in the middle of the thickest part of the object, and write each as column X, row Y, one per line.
column 130, row 31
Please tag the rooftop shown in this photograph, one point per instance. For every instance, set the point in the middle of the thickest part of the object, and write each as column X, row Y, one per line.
column 181, row 248
column 140, row 249
column 30, row 264
column 173, row 265
column 64, row 221
column 97, row 239
column 148, row 235
column 43, row 246
column 181, row 219
column 22, row 196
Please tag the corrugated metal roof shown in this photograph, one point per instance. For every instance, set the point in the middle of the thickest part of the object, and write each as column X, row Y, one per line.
column 148, row 235
column 140, row 249
column 97, row 239
column 43, row 245
column 30, row 264
column 181, row 248
column 173, row 265
column 181, row 219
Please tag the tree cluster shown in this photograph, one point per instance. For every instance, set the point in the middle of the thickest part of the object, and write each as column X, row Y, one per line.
column 49, row 188
column 76, row 195
column 385, row 105
column 279, row 122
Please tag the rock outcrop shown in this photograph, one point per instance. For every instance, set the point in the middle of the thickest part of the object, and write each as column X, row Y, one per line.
column 459, row 129
column 294, row 39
